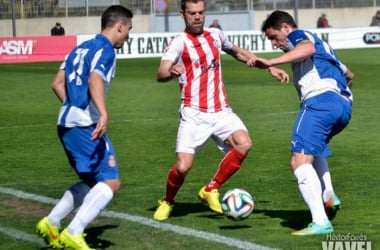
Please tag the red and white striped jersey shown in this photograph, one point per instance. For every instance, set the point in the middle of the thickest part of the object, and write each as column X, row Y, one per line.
column 201, row 85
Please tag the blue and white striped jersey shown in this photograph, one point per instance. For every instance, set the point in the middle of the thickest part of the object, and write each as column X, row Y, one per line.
column 95, row 55
column 319, row 73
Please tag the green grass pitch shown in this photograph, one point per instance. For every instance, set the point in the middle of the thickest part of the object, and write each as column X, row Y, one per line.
column 143, row 123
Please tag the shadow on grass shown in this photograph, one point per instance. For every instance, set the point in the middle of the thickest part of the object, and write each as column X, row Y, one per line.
column 234, row 227
column 295, row 219
column 181, row 209
column 93, row 234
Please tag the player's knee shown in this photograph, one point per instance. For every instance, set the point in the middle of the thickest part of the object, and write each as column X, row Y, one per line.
column 245, row 146
column 299, row 159
column 114, row 185
column 184, row 164
column 183, row 169
column 248, row 145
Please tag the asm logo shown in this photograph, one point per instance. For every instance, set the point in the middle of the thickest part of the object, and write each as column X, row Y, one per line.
column 16, row 47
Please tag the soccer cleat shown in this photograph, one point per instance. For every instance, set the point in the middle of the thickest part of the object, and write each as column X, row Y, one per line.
column 163, row 210
column 75, row 242
column 315, row 229
column 49, row 232
column 332, row 206
column 211, row 199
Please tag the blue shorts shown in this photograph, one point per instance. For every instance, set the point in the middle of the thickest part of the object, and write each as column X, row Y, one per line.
column 93, row 161
column 320, row 118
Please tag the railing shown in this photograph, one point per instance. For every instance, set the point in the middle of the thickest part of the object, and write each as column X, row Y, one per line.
column 66, row 8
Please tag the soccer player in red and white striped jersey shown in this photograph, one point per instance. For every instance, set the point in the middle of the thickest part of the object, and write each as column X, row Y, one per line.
column 194, row 57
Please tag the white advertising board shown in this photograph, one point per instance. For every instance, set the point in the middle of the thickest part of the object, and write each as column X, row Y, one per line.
column 153, row 44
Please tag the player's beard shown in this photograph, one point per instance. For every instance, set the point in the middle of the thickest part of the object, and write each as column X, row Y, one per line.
column 194, row 30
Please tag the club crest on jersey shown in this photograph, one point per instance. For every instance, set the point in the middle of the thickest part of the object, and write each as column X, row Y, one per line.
column 217, row 44
column 111, row 161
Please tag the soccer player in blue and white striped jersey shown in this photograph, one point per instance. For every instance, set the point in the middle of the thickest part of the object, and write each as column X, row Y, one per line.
column 323, row 84
column 81, row 85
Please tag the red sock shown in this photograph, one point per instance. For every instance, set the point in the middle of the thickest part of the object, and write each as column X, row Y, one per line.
column 227, row 167
column 174, row 183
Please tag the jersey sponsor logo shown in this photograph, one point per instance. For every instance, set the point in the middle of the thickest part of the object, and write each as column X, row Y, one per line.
column 206, row 67
column 372, row 38
column 16, row 47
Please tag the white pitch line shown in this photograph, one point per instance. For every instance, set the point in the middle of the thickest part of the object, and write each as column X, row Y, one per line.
column 20, row 235
column 141, row 220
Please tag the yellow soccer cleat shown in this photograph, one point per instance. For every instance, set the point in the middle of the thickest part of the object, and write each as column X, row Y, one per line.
column 163, row 210
column 75, row 242
column 49, row 232
column 211, row 199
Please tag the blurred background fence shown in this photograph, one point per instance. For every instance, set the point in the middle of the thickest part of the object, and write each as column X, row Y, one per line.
column 77, row 8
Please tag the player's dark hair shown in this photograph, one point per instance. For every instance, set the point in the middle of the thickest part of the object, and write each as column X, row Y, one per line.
column 183, row 3
column 276, row 19
column 113, row 14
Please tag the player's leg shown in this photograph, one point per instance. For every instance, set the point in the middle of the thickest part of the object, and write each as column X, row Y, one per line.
column 95, row 162
column 71, row 199
column 177, row 174
column 331, row 201
column 94, row 203
column 309, row 140
column 240, row 143
column 175, row 179
column 321, row 167
column 341, row 109
column 49, row 226
column 311, row 191
column 190, row 138
column 232, row 137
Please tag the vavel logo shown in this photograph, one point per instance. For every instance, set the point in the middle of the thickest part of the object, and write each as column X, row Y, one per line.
column 371, row 38
column 16, row 47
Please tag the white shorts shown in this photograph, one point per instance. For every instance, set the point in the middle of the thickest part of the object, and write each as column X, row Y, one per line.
column 196, row 127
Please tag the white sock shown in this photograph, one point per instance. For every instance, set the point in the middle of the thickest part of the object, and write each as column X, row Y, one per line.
column 70, row 200
column 64, row 206
column 321, row 166
column 93, row 204
column 310, row 188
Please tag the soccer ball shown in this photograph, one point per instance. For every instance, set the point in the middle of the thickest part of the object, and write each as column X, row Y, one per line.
column 237, row 204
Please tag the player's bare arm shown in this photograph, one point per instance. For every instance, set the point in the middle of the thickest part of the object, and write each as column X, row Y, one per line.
column 249, row 58
column 349, row 77
column 240, row 54
column 58, row 85
column 96, row 88
column 168, row 70
column 299, row 53
column 302, row 51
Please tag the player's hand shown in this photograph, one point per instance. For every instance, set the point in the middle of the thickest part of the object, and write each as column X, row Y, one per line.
column 349, row 77
column 100, row 129
column 262, row 63
column 279, row 74
column 259, row 62
column 251, row 62
column 177, row 70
